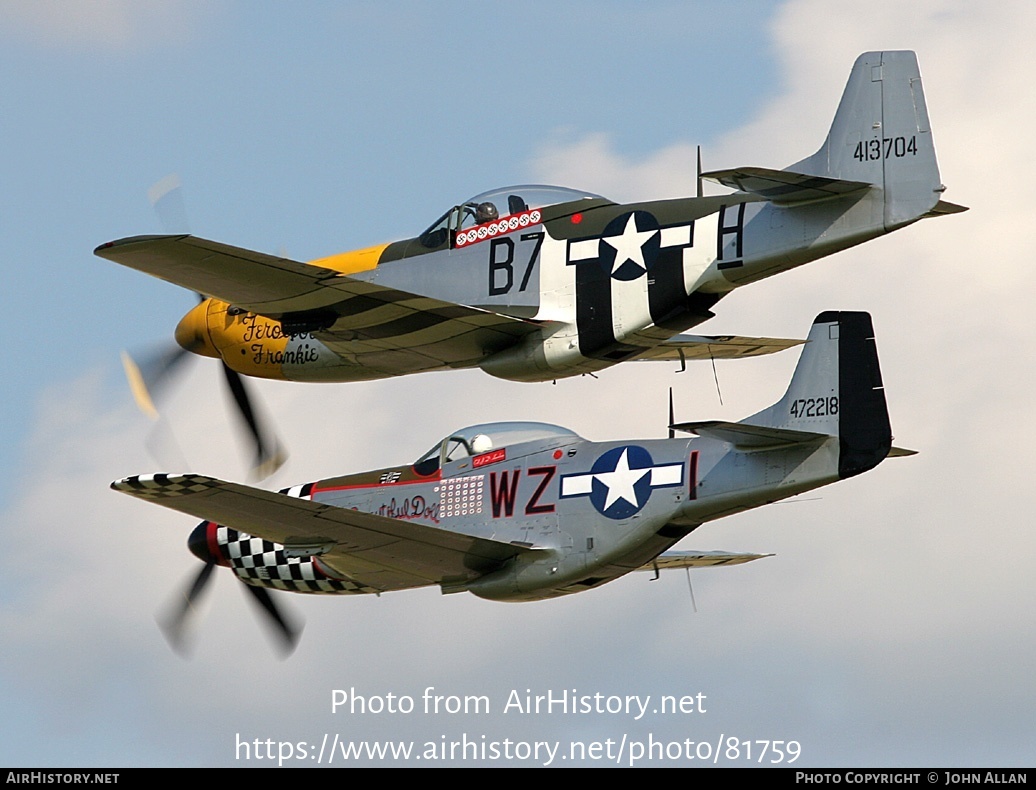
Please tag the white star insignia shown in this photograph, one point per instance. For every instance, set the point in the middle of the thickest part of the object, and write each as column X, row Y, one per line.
column 620, row 481
column 630, row 245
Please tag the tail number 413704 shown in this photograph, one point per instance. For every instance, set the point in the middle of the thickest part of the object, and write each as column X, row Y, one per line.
column 885, row 148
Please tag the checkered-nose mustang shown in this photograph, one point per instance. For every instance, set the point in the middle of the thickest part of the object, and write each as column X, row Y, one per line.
column 518, row 511
column 535, row 283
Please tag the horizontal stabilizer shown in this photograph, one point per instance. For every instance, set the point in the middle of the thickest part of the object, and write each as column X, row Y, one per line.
column 900, row 452
column 698, row 559
column 944, row 207
column 683, row 347
column 784, row 186
column 750, row 437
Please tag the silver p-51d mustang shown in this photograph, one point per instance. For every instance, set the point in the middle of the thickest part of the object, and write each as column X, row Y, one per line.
column 539, row 283
column 526, row 511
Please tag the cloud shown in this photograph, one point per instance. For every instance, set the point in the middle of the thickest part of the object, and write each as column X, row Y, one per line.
column 103, row 25
column 892, row 627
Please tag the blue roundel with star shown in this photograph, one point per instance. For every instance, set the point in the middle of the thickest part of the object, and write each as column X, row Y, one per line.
column 621, row 480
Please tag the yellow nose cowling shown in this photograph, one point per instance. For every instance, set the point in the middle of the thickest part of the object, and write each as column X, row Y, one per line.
column 192, row 333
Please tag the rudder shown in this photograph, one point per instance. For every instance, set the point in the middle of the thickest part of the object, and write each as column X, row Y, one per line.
column 864, row 430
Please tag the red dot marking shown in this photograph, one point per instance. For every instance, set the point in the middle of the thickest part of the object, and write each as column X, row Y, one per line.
column 577, row 218
column 557, row 454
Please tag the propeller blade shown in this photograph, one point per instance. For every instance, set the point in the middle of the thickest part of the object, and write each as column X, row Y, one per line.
column 166, row 197
column 269, row 455
column 175, row 625
column 287, row 632
column 154, row 373
column 151, row 375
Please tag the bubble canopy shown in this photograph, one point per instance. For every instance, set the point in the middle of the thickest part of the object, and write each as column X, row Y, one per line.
column 478, row 439
column 505, row 201
column 532, row 195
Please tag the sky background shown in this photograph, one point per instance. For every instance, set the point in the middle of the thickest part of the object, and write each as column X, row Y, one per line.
column 895, row 626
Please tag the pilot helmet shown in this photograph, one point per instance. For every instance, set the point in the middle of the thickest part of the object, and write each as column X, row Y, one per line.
column 486, row 212
column 481, row 443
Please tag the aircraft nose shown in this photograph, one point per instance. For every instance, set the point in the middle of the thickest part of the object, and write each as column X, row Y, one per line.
column 202, row 543
column 192, row 333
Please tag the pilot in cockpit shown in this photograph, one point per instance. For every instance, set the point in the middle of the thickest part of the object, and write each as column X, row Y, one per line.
column 481, row 444
column 486, row 212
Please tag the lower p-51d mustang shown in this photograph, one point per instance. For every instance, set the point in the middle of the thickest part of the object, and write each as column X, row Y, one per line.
column 526, row 511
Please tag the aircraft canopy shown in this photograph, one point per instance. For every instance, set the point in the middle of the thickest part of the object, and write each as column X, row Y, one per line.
column 499, row 203
column 479, row 439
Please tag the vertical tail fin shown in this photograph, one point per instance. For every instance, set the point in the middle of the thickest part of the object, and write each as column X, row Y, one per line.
column 881, row 135
column 836, row 390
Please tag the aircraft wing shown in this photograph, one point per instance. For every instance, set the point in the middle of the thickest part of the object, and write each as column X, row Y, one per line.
column 683, row 347
column 261, row 283
column 379, row 552
column 379, row 328
column 264, row 284
column 698, row 559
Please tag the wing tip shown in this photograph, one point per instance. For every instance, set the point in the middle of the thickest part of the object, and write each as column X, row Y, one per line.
column 101, row 249
column 163, row 485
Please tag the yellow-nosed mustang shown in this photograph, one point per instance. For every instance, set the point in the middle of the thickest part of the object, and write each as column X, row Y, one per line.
column 526, row 511
column 536, row 283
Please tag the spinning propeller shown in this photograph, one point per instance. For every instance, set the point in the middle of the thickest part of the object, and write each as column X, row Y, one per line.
column 176, row 624
column 154, row 372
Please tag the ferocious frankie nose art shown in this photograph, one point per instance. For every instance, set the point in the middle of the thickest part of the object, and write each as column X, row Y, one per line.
column 535, row 283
